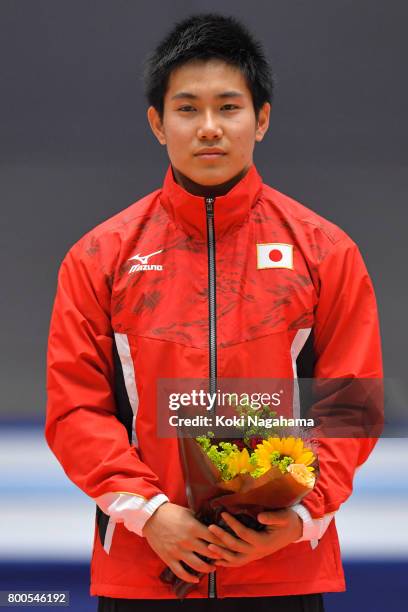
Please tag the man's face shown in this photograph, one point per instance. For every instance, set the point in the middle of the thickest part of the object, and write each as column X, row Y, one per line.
column 209, row 124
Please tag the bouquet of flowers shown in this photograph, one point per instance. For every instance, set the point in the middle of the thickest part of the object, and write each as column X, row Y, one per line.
column 244, row 477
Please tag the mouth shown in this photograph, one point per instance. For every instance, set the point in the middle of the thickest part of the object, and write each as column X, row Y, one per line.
column 210, row 153
column 213, row 155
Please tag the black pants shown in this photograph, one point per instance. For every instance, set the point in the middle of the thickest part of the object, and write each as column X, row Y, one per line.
column 290, row 603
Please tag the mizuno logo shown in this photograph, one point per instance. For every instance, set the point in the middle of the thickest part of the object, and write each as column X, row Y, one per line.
column 145, row 258
column 143, row 265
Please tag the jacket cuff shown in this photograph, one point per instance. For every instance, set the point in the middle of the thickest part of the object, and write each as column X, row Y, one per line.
column 145, row 512
column 133, row 510
column 313, row 529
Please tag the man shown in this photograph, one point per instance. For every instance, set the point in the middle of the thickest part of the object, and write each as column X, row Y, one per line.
column 214, row 275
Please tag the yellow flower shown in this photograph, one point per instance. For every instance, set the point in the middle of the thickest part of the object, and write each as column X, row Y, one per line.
column 238, row 462
column 287, row 447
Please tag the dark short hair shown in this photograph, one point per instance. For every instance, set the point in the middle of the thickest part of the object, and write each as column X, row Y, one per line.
column 204, row 37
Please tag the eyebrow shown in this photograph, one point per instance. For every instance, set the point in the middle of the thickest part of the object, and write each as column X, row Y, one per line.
column 191, row 96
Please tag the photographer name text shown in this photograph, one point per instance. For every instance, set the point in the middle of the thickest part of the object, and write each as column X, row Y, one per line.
column 238, row 421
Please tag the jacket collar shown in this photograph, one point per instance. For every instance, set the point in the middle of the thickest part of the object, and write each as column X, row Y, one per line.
column 230, row 210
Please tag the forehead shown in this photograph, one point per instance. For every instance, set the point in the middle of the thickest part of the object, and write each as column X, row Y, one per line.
column 202, row 78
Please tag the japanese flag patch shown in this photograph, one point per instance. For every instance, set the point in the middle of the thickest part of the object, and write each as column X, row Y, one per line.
column 274, row 255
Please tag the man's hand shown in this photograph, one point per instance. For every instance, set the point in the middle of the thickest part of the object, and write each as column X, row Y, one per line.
column 175, row 535
column 283, row 528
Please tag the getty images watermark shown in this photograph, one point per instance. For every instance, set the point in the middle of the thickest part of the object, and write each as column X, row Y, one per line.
column 210, row 402
column 235, row 407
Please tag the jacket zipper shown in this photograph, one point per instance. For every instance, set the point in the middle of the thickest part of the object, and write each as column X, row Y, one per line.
column 212, row 329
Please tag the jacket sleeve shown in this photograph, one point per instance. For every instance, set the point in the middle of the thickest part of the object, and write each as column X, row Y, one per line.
column 347, row 345
column 81, row 428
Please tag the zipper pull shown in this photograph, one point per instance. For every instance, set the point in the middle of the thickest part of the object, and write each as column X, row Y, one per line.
column 209, row 206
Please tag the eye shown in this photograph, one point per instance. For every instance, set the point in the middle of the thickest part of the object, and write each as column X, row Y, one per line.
column 186, row 108
column 231, row 106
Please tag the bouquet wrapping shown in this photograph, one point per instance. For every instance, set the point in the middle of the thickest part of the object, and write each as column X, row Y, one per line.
column 242, row 477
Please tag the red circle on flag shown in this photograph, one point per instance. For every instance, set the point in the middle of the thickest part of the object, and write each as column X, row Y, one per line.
column 275, row 255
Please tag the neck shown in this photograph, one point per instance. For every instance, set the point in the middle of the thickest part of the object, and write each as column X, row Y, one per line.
column 207, row 190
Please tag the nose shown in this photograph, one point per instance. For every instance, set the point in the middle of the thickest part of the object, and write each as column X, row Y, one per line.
column 209, row 128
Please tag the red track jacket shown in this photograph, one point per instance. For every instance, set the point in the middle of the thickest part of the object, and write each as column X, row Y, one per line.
column 181, row 286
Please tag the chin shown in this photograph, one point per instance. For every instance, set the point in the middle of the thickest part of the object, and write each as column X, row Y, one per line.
column 212, row 177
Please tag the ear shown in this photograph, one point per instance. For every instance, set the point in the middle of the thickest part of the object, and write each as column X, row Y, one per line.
column 263, row 121
column 156, row 125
